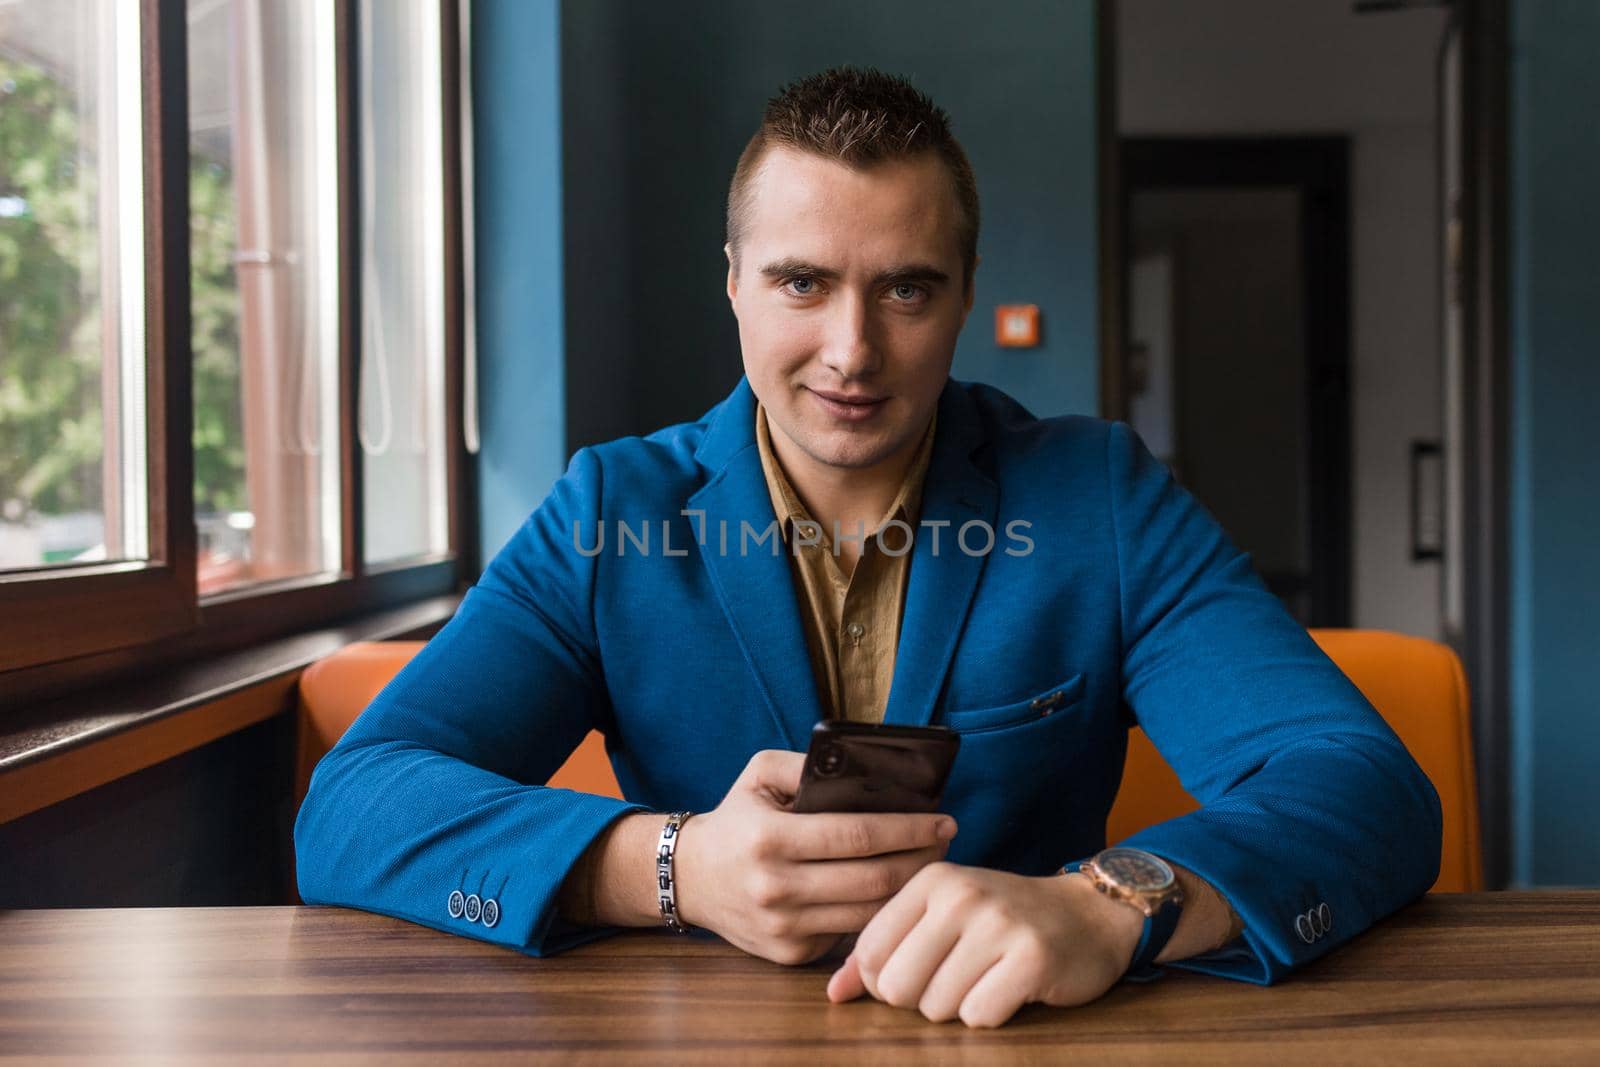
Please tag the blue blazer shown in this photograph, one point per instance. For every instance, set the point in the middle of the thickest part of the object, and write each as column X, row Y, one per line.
column 1132, row 604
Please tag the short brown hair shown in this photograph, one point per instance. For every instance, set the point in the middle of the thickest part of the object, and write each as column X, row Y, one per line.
column 858, row 116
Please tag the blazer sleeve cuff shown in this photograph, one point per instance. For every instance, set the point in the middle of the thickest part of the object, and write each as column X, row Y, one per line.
column 1269, row 948
column 541, row 928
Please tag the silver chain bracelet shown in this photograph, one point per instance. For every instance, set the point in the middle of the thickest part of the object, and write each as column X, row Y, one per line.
column 667, row 893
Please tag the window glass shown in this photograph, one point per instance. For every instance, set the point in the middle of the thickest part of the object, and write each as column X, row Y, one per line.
column 402, row 394
column 263, row 202
column 73, row 455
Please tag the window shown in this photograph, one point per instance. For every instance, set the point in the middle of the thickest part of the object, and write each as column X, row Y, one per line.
column 72, row 411
column 402, row 279
column 264, row 290
column 230, row 323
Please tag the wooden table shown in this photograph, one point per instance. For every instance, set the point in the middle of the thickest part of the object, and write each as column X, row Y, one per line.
column 1480, row 978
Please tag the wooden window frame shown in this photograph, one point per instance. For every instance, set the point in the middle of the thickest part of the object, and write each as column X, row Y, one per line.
column 67, row 628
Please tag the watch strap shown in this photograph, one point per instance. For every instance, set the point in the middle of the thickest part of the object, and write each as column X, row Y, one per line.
column 1158, row 930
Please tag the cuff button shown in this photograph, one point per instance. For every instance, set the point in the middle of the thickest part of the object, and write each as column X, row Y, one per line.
column 474, row 908
column 491, row 912
column 456, row 905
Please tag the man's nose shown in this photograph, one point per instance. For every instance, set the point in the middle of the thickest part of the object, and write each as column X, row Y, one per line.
column 849, row 347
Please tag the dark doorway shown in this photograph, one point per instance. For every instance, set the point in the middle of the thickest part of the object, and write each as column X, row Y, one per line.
column 1236, row 368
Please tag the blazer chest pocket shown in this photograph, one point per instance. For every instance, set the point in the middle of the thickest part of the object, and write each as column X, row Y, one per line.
column 1051, row 702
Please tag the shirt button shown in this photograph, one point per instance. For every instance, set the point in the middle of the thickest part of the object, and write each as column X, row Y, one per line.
column 855, row 630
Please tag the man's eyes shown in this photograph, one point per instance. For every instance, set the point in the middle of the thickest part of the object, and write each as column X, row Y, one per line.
column 901, row 293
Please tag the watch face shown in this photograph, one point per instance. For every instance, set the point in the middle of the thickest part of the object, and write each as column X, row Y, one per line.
column 1135, row 869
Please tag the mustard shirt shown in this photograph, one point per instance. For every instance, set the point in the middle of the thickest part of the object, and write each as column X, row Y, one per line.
column 852, row 624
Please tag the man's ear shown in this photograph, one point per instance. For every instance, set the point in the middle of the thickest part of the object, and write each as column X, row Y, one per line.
column 733, row 275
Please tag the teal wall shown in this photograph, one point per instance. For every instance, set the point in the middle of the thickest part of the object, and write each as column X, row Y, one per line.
column 517, row 189
column 1555, row 527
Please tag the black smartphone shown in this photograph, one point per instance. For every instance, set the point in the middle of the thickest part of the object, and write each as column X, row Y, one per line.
column 868, row 766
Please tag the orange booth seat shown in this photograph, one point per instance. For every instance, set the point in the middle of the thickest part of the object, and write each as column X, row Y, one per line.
column 1416, row 684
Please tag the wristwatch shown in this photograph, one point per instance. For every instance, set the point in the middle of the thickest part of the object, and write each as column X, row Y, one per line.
column 1143, row 881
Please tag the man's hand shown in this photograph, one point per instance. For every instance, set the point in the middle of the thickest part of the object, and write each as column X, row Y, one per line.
column 787, row 886
column 979, row 944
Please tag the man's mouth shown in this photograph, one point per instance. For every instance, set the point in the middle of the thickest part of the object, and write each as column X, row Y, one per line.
column 851, row 406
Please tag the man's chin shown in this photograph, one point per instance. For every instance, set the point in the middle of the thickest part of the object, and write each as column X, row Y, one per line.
column 849, row 454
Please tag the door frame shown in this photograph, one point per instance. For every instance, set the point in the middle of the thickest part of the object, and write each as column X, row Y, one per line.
column 1484, row 278
column 1484, row 645
column 1319, row 168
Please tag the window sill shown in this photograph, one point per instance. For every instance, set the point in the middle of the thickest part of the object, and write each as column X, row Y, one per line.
column 71, row 744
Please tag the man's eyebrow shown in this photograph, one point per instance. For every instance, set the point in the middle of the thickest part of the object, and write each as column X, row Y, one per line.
column 904, row 272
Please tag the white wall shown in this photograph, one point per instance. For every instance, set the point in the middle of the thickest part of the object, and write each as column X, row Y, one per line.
column 1257, row 67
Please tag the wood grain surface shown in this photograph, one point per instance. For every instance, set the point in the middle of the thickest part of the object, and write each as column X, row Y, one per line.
column 1471, row 978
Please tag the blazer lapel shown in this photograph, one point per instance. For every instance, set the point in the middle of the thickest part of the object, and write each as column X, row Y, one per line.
column 752, row 581
column 942, row 583
column 756, row 592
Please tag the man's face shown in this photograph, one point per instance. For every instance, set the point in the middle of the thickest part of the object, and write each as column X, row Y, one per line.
column 849, row 299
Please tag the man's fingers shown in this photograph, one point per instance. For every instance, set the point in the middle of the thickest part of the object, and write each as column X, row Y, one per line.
column 774, row 771
column 834, row 836
column 955, row 976
column 880, row 937
column 835, row 918
column 854, row 880
column 901, row 979
column 846, row 982
column 994, row 998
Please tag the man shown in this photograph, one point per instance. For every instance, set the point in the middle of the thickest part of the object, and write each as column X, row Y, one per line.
column 1038, row 586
